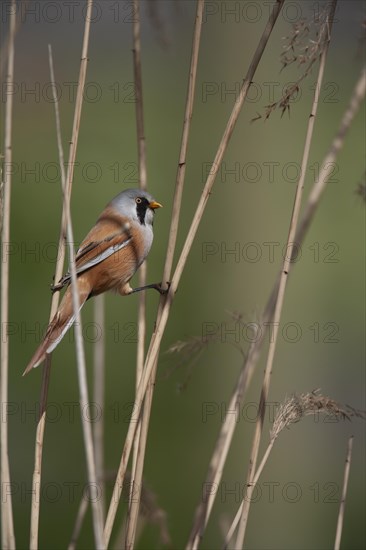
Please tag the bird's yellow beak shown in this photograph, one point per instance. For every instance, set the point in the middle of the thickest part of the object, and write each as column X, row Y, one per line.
column 154, row 204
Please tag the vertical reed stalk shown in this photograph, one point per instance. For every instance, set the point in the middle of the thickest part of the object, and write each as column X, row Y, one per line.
column 223, row 442
column 67, row 186
column 171, row 244
column 7, row 523
column 283, row 284
column 138, row 451
column 99, row 395
column 46, row 372
column 337, row 543
column 83, row 386
column 161, row 324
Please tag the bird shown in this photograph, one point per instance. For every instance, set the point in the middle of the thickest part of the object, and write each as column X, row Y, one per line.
column 107, row 259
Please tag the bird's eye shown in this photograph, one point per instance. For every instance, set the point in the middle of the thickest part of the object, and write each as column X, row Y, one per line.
column 138, row 200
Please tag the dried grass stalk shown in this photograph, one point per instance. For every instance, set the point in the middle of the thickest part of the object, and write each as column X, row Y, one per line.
column 139, row 448
column 284, row 278
column 223, row 442
column 161, row 324
column 291, row 411
column 342, row 506
column 7, row 523
column 67, row 185
column 142, row 430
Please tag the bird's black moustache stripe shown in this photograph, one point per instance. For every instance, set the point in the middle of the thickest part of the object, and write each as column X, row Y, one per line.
column 141, row 209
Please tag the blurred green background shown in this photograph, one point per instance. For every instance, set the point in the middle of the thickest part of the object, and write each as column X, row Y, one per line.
column 322, row 341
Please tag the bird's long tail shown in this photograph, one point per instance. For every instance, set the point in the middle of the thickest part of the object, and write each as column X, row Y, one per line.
column 60, row 324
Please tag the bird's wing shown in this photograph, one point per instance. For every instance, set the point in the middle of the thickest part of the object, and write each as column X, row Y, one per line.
column 94, row 250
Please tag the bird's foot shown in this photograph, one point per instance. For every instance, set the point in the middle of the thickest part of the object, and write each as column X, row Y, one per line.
column 156, row 286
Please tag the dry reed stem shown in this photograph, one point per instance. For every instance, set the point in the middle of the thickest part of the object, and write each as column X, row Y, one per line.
column 141, row 437
column 7, row 522
column 150, row 513
column 46, row 371
column 67, row 185
column 142, row 170
column 357, row 97
column 5, row 48
column 81, row 367
column 136, row 481
column 182, row 163
column 337, row 543
column 99, row 395
column 283, row 283
column 239, row 512
column 137, row 70
column 138, row 451
column 229, row 423
column 291, row 411
column 83, row 393
column 161, row 324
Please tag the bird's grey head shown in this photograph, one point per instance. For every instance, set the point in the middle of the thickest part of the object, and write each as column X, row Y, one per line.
column 137, row 205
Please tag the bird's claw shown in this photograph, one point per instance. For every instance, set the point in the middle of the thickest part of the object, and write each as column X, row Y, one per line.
column 54, row 288
column 163, row 291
